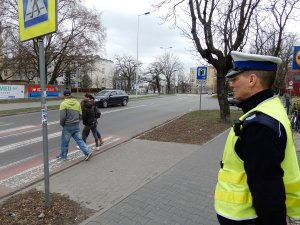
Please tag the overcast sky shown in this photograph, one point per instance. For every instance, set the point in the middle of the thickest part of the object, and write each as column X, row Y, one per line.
column 121, row 18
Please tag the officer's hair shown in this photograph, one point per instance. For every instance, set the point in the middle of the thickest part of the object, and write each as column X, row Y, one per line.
column 266, row 78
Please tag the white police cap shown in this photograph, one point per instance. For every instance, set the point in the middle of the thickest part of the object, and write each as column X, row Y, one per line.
column 245, row 61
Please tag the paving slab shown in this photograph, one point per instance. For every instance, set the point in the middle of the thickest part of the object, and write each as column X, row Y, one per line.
column 111, row 176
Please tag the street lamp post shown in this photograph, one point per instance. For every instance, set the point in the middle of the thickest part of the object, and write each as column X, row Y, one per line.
column 165, row 48
column 137, row 50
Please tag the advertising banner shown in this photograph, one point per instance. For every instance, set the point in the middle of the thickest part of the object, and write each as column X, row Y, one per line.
column 296, row 58
column 11, row 91
column 35, row 90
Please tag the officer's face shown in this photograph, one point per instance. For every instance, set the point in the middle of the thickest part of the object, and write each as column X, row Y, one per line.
column 241, row 86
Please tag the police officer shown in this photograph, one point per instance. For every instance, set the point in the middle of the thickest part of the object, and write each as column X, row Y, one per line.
column 259, row 178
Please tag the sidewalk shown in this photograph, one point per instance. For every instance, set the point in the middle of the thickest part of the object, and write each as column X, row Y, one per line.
column 181, row 195
column 145, row 182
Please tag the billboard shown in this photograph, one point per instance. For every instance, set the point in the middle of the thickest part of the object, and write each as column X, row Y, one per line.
column 11, row 91
column 35, row 90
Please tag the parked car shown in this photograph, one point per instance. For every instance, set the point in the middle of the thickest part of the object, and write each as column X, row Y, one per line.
column 106, row 98
column 230, row 94
column 232, row 101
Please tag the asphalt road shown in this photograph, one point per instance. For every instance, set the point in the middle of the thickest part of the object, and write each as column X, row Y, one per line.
column 21, row 146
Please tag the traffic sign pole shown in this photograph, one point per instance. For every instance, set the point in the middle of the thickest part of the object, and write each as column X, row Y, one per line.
column 200, row 95
column 44, row 119
column 201, row 76
column 36, row 19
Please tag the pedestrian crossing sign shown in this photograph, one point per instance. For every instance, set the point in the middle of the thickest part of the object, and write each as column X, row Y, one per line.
column 36, row 18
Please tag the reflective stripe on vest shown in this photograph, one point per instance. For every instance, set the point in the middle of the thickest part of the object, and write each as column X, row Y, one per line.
column 232, row 196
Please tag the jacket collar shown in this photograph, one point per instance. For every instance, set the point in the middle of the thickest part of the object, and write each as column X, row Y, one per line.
column 256, row 99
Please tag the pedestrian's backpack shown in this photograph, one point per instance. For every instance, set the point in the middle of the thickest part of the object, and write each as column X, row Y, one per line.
column 97, row 112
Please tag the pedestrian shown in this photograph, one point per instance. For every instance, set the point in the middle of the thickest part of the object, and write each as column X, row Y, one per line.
column 92, row 99
column 259, row 178
column 70, row 116
column 89, row 121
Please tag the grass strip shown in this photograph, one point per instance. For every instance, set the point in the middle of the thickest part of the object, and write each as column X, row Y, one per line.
column 26, row 110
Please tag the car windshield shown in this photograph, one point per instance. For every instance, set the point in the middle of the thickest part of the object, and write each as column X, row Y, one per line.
column 103, row 93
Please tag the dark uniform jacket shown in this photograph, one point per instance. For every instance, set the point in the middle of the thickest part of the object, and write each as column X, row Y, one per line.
column 262, row 151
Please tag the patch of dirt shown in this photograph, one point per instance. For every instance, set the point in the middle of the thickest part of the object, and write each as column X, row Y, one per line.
column 29, row 208
column 192, row 128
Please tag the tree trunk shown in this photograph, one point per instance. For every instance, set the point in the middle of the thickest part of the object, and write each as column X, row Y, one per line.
column 222, row 97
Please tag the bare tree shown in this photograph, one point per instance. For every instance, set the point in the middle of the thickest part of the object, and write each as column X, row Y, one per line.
column 286, row 54
column 125, row 67
column 155, row 70
column 183, row 84
column 80, row 34
column 171, row 66
column 282, row 11
column 216, row 28
column 266, row 43
column 97, row 82
column 86, row 81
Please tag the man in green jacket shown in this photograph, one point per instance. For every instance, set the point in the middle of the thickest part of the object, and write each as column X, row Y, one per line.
column 70, row 116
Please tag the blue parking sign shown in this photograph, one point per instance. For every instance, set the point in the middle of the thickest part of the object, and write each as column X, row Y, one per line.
column 201, row 72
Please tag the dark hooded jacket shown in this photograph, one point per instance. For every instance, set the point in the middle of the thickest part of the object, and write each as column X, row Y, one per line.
column 88, row 114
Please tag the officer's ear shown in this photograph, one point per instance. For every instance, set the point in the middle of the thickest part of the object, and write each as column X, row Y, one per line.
column 253, row 79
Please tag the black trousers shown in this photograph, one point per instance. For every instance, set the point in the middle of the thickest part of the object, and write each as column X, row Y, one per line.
column 86, row 130
column 224, row 221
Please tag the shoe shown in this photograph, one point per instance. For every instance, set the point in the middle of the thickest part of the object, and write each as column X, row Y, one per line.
column 87, row 156
column 96, row 148
column 60, row 158
column 101, row 141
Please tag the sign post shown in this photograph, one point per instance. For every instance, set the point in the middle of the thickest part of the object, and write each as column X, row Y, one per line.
column 44, row 119
column 201, row 76
column 77, row 78
column 36, row 19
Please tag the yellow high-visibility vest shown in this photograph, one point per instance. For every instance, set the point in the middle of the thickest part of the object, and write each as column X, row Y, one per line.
column 233, row 199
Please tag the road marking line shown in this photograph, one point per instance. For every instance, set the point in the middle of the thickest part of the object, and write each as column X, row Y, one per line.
column 27, row 142
column 33, row 173
column 32, row 157
column 19, row 133
column 52, row 123
column 127, row 108
column 5, row 124
column 17, row 129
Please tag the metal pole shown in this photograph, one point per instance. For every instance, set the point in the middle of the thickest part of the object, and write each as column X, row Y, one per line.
column 137, row 50
column 200, row 94
column 137, row 55
column 77, row 78
column 44, row 119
